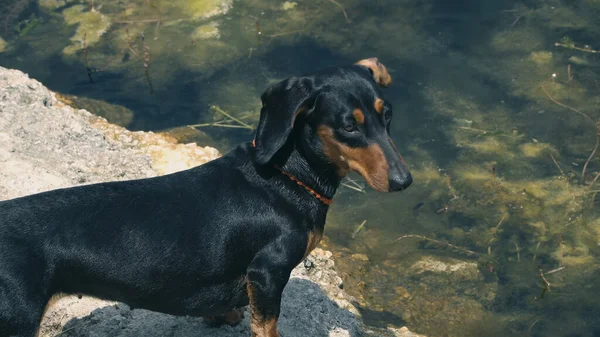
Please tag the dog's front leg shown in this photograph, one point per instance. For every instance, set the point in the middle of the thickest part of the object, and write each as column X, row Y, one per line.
column 268, row 274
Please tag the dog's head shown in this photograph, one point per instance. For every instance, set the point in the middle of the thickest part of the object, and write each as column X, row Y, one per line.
column 342, row 113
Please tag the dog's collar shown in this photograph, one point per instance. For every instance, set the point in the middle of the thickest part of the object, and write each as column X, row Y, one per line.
column 319, row 197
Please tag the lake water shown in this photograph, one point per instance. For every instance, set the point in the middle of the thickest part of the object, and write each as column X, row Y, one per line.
column 496, row 107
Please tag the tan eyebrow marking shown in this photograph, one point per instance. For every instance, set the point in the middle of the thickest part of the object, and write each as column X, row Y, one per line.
column 378, row 105
column 359, row 116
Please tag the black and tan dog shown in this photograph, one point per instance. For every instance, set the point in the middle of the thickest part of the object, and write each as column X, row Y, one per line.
column 212, row 239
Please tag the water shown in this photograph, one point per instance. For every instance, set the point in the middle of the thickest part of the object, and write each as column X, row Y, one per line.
column 499, row 207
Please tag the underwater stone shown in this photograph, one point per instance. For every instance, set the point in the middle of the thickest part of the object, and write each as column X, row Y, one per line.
column 208, row 31
column 463, row 122
column 533, row 150
column 578, row 61
column 460, row 270
column 202, row 9
column 541, row 57
column 114, row 114
column 289, row 5
column 92, row 25
column 51, row 4
column 2, row 45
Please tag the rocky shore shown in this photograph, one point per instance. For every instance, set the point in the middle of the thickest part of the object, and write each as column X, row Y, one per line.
column 46, row 144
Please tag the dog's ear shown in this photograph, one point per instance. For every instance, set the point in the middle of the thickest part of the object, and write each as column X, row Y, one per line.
column 378, row 70
column 282, row 103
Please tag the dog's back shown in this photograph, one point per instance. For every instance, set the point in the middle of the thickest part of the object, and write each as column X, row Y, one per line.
column 149, row 242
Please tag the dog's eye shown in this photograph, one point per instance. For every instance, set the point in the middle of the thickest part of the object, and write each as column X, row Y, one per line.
column 350, row 127
column 387, row 114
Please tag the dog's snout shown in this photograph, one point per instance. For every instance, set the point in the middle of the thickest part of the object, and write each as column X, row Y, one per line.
column 399, row 177
column 399, row 181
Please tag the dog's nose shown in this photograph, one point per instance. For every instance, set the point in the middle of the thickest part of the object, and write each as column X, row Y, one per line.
column 399, row 182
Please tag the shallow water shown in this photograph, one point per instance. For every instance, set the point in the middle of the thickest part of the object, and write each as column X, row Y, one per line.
column 495, row 120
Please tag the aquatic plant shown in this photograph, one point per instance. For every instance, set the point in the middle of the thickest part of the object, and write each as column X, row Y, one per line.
column 91, row 24
column 23, row 27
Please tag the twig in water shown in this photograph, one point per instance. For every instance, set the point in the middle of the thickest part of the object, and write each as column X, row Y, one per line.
column 531, row 326
column 156, row 30
column 472, row 129
column 501, row 221
column 594, row 195
column 148, row 20
column 562, row 173
column 595, row 178
column 216, row 124
column 442, row 209
column 591, row 186
column 546, row 283
column 516, row 20
column 518, row 252
column 535, row 251
column 258, row 32
column 414, row 236
column 343, row 10
column 85, row 58
column 242, row 123
column 554, row 271
column 568, row 107
column 352, row 187
column 147, row 63
column 285, row 33
column 130, row 43
column 593, row 152
column 452, row 191
column 146, row 52
column 595, row 124
column 587, row 50
column 351, row 184
column 359, row 228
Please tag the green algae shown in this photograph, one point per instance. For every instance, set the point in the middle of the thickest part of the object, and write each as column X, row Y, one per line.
column 51, row 4
column 3, row 45
column 91, row 25
column 24, row 27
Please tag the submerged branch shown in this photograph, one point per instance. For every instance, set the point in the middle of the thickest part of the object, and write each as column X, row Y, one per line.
column 566, row 106
column 596, row 125
column 591, row 154
column 342, row 8
column 415, row 236
column 562, row 173
column 242, row 123
column 570, row 46
column 359, row 228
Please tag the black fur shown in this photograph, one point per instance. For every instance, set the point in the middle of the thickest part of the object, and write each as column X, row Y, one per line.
column 189, row 243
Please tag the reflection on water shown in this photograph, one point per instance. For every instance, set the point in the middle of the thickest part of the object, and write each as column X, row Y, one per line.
column 496, row 106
